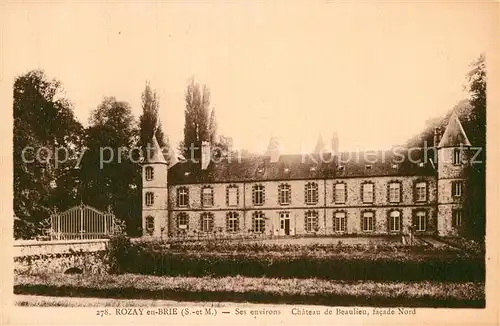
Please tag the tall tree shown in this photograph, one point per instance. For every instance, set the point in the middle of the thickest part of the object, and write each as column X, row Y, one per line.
column 475, row 126
column 110, row 175
column 196, row 115
column 149, row 122
column 43, row 123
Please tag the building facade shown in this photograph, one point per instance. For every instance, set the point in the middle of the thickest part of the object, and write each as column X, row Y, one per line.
column 328, row 193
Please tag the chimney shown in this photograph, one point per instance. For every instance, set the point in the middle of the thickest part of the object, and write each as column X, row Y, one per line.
column 205, row 154
column 273, row 149
column 436, row 137
column 335, row 144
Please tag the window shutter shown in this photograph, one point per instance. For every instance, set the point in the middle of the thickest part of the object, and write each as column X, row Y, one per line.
column 316, row 193
column 374, row 221
column 305, row 194
column 389, row 192
column 254, row 199
column 426, row 221
column 227, row 196
column 187, row 196
column 211, row 222
column 305, row 220
column 388, row 221
column 334, row 222
column 361, row 218
column 237, row 224
column 289, row 195
column 263, row 195
column 227, row 221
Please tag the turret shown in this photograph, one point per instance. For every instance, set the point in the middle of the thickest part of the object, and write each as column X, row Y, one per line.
column 154, row 191
column 453, row 156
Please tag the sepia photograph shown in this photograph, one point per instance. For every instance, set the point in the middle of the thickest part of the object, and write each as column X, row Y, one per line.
column 254, row 160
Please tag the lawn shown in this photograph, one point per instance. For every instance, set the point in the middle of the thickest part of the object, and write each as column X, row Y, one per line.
column 262, row 289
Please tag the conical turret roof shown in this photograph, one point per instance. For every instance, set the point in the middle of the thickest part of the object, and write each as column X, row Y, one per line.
column 155, row 154
column 454, row 135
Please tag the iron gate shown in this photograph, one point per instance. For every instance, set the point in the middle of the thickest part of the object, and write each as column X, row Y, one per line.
column 81, row 222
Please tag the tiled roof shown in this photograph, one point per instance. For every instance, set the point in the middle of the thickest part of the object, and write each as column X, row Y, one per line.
column 300, row 167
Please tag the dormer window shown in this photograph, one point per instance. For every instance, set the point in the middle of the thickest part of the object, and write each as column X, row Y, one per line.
column 341, row 168
column 394, row 166
column 187, row 173
column 421, row 164
column 368, row 166
column 312, row 168
column 150, row 172
column 287, row 170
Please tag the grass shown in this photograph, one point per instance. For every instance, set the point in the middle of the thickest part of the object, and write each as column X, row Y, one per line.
column 264, row 290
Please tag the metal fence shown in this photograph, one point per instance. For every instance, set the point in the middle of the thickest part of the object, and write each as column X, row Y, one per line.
column 81, row 222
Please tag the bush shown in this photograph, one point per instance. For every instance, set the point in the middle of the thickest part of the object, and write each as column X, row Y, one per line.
column 153, row 260
column 119, row 252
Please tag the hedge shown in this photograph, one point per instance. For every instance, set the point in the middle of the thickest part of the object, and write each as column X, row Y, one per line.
column 137, row 258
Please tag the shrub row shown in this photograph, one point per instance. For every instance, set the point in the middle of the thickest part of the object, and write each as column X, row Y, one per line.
column 135, row 258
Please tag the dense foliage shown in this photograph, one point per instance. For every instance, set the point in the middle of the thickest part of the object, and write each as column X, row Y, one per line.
column 334, row 263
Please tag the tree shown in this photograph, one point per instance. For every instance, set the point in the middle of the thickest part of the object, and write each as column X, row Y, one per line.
column 149, row 122
column 110, row 175
column 475, row 126
column 43, row 122
column 196, row 119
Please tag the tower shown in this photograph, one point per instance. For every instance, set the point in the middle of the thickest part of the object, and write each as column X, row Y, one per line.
column 154, row 192
column 453, row 161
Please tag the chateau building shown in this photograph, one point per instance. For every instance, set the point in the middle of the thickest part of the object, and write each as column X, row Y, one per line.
column 359, row 193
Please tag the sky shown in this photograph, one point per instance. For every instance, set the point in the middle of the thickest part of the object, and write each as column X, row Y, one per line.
column 372, row 73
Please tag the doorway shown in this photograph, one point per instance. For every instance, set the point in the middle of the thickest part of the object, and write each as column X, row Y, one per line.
column 285, row 223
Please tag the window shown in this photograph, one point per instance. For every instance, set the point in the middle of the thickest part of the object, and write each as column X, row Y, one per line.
column 311, row 221
column 284, row 194
column 207, row 196
column 258, row 222
column 394, row 192
column 339, row 222
column 258, row 195
column 367, row 221
column 421, row 191
column 150, row 172
column 457, row 218
column 182, row 221
column 182, row 197
column 456, row 188
column 367, row 192
column 311, row 193
column 395, row 221
column 150, row 225
column 232, row 222
column 457, row 156
column 207, row 222
column 340, row 193
column 421, row 221
column 232, row 195
column 150, row 199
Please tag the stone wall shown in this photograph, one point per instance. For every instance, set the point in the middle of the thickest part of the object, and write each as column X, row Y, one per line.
column 87, row 256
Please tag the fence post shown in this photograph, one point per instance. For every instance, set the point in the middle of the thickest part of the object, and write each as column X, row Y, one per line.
column 81, row 221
